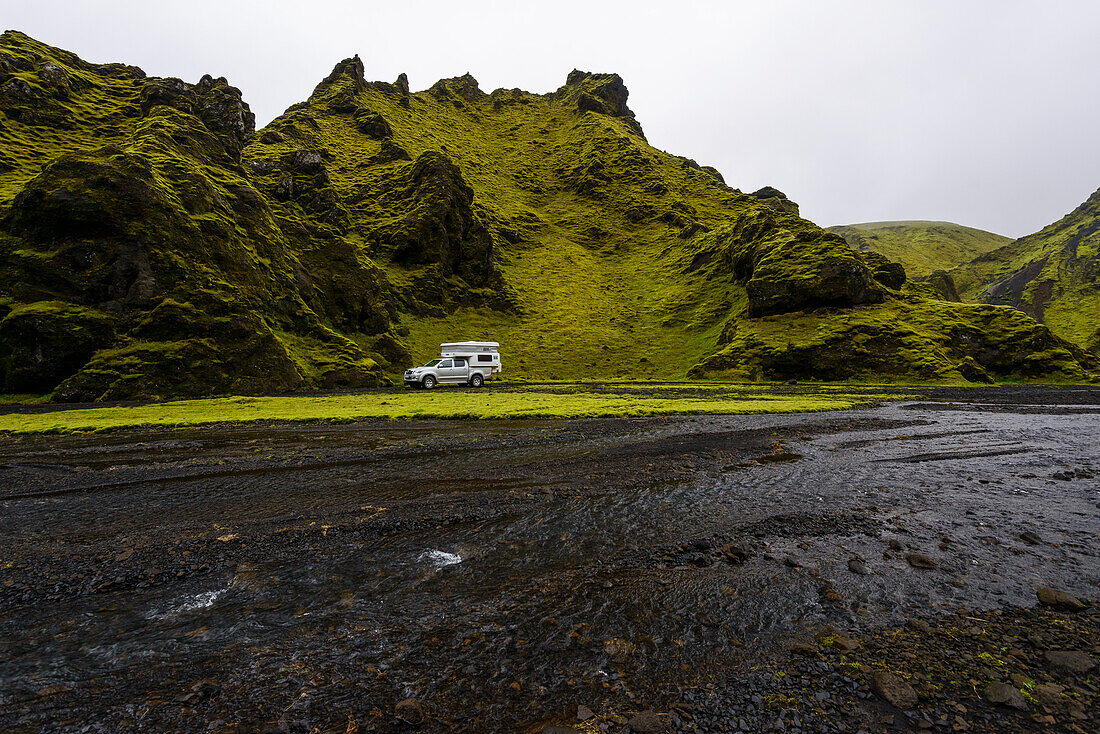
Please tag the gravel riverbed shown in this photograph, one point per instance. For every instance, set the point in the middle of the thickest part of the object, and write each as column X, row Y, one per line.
column 872, row 570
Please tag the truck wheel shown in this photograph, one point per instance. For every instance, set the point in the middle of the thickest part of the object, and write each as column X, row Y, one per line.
column 475, row 381
column 429, row 382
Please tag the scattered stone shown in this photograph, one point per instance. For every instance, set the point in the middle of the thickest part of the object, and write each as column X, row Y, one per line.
column 410, row 711
column 855, row 565
column 843, row 642
column 919, row 560
column 893, row 690
column 1030, row 538
column 646, row 723
column 1060, row 600
column 1005, row 695
column 805, row 649
column 919, row 625
column 584, row 713
column 618, row 649
column 560, row 730
column 894, row 545
column 1050, row 695
column 1074, row 661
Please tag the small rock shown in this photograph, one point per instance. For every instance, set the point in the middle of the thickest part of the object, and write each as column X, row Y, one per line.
column 894, row 544
column 843, row 642
column 1060, row 600
column 805, row 649
column 584, row 713
column 560, row 730
column 1050, row 695
column 1030, row 538
column 646, row 723
column 919, row 625
column 857, row 566
column 893, row 690
column 919, row 560
column 1005, row 695
column 411, row 711
column 618, row 649
column 1071, row 660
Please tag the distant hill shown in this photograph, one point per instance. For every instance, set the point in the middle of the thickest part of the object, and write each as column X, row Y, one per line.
column 922, row 247
column 1052, row 275
column 153, row 243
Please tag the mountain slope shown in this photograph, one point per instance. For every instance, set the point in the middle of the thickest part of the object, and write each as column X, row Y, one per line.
column 1052, row 275
column 922, row 247
column 153, row 244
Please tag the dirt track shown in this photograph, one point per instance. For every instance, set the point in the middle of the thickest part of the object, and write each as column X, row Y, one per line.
column 299, row 578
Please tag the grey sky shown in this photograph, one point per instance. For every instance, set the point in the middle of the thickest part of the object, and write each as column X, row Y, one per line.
column 982, row 113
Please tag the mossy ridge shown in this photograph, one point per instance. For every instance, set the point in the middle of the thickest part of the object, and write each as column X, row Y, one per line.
column 903, row 340
column 369, row 222
column 154, row 221
column 922, row 247
column 1052, row 275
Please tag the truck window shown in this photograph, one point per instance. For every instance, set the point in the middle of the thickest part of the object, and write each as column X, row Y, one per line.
column 460, row 362
column 445, row 364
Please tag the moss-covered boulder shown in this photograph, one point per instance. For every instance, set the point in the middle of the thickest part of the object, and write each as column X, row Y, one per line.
column 46, row 342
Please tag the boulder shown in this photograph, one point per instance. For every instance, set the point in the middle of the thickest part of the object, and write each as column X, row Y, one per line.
column 410, row 711
column 1074, row 661
column 857, row 566
column 1059, row 599
column 646, row 722
column 43, row 343
column 893, row 690
column 1004, row 695
column 919, row 560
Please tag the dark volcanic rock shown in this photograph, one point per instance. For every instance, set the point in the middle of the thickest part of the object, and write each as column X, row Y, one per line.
column 919, row 560
column 410, row 710
column 1074, row 661
column 1005, row 695
column 893, row 690
column 43, row 344
column 1060, row 600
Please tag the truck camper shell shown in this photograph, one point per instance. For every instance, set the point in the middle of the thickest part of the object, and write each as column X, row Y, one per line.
column 480, row 354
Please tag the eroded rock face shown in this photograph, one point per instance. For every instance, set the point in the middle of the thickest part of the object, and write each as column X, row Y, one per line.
column 45, row 343
column 605, row 94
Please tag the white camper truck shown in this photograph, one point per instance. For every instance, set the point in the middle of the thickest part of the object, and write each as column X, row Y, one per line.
column 459, row 363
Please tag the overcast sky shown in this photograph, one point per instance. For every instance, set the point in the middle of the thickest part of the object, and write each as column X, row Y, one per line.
column 982, row 113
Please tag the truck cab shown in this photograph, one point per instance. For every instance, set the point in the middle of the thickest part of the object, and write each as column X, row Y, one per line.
column 459, row 363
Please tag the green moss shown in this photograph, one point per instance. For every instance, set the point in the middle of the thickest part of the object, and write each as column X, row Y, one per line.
column 1052, row 275
column 922, row 247
column 443, row 403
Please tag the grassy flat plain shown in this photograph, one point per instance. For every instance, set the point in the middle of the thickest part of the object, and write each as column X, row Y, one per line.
column 563, row 400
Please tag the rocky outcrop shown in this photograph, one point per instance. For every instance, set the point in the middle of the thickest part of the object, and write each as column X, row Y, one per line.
column 605, row 94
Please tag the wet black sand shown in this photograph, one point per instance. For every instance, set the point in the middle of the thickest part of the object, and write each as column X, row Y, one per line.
column 308, row 578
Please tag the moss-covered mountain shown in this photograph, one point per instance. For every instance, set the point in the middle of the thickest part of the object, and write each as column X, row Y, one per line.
column 922, row 247
column 153, row 244
column 1052, row 275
